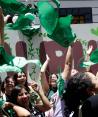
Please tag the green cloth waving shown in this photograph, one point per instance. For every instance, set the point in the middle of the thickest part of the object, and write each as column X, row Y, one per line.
column 58, row 29
column 57, row 2
column 22, row 21
column 60, row 84
column 14, row 7
column 93, row 59
column 48, row 16
column 12, row 63
column 63, row 34
column 24, row 24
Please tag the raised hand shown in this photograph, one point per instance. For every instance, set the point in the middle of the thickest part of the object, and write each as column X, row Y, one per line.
column 89, row 50
column 47, row 57
column 35, row 86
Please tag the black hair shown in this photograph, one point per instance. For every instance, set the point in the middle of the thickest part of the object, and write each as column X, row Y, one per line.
column 54, row 89
column 52, row 74
column 76, row 91
column 14, row 94
column 5, row 81
column 16, row 83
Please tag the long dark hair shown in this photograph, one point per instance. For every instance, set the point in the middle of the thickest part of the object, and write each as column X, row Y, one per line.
column 54, row 89
column 6, row 79
column 16, row 83
column 14, row 94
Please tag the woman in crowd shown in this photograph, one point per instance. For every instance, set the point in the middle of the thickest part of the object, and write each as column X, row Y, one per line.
column 6, row 88
column 21, row 79
column 51, row 87
column 21, row 97
column 58, row 103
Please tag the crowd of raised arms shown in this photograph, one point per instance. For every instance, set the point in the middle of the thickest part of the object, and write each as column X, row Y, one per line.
column 74, row 96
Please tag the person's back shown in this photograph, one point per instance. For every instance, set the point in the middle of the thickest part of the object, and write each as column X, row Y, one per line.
column 90, row 107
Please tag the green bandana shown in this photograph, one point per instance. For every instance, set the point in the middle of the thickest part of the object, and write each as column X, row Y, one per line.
column 63, row 34
column 60, row 84
column 48, row 16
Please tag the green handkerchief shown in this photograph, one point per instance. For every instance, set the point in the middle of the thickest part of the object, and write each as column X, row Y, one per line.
column 48, row 16
column 15, row 7
column 63, row 34
column 60, row 85
column 23, row 21
column 1, row 102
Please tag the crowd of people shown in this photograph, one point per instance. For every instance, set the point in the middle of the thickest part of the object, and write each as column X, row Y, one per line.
column 18, row 98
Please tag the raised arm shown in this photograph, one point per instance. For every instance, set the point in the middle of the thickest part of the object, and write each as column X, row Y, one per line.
column 88, row 52
column 45, row 105
column 44, row 81
column 87, row 57
column 20, row 111
column 68, row 64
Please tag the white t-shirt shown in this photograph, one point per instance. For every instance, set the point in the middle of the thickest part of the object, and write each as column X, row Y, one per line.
column 58, row 107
